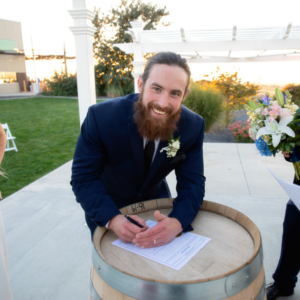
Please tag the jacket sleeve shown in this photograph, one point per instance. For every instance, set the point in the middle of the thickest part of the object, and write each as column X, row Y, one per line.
column 190, row 184
column 88, row 164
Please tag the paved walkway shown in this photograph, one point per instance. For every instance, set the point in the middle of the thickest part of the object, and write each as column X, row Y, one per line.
column 49, row 246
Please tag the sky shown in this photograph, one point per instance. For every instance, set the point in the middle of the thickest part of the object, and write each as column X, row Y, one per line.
column 48, row 22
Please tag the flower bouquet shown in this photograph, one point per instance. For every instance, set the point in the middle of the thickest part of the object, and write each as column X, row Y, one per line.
column 275, row 126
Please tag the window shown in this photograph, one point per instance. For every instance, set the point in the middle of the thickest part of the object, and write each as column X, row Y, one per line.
column 8, row 77
column 7, row 45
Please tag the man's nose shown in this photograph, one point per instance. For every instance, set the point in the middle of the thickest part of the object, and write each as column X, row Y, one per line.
column 163, row 100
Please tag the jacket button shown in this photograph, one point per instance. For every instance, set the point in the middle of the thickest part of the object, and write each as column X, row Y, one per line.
column 140, row 195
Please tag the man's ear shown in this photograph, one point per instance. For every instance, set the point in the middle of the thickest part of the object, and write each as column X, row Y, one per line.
column 140, row 84
column 186, row 93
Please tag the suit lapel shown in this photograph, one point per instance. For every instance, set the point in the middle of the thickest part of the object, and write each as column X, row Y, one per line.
column 137, row 143
column 137, row 149
column 157, row 162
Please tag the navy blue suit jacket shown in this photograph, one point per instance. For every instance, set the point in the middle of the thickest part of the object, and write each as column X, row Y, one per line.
column 108, row 165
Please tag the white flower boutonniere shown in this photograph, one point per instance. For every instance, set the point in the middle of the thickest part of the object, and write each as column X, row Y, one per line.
column 173, row 147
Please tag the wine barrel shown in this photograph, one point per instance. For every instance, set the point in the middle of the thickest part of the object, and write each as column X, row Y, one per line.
column 230, row 266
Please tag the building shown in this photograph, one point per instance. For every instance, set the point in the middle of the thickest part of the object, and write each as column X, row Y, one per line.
column 13, row 77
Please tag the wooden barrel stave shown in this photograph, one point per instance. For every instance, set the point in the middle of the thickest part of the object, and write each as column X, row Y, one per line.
column 250, row 292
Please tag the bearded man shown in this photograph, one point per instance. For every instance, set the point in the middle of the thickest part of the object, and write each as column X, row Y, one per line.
column 121, row 156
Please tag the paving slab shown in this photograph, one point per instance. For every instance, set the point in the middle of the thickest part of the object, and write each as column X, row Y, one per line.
column 49, row 245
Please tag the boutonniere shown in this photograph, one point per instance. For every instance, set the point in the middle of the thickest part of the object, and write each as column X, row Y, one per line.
column 172, row 147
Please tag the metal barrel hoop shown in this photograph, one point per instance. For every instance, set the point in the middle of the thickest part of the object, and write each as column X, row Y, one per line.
column 209, row 290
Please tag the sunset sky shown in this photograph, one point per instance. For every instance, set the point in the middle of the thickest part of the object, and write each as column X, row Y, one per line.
column 48, row 22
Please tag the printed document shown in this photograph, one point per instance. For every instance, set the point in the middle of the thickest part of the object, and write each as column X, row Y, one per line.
column 175, row 254
column 291, row 189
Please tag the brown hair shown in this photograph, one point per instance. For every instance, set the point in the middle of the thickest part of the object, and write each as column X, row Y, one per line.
column 170, row 59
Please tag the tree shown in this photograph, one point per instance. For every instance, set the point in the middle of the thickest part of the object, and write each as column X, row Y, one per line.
column 114, row 68
column 235, row 92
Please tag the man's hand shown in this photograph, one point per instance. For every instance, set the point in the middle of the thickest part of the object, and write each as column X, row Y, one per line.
column 162, row 233
column 125, row 230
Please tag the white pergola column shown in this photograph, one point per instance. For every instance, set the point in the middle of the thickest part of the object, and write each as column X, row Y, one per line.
column 138, row 57
column 84, row 35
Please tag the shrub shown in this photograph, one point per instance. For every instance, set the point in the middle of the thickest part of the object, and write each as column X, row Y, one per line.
column 241, row 132
column 236, row 92
column 205, row 101
column 62, row 85
column 113, row 91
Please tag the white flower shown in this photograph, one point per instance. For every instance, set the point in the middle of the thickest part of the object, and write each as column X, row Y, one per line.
column 276, row 130
column 253, row 130
column 172, row 153
column 172, row 147
column 175, row 145
column 294, row 107
column 274, row 102
column 258, row 110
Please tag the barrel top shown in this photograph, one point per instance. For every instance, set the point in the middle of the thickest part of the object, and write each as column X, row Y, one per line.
column 234, row 243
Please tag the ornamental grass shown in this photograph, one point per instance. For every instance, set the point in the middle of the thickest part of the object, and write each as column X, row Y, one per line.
column 207, row 102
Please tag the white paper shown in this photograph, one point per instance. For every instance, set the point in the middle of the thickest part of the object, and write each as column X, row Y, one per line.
column 293, row 190
column 175, row 254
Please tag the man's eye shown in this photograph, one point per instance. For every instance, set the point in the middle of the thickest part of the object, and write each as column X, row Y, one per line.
column 175, row 94
column 156, row 89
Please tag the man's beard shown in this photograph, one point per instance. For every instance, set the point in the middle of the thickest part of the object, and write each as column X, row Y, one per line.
column 155, row 128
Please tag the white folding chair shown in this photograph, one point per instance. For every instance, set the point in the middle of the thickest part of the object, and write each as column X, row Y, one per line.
column 10, row 143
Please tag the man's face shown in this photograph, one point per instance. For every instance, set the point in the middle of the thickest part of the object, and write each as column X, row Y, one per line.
column 163, row 91
column 158, row 109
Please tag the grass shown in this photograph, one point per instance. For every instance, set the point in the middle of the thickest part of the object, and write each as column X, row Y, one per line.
column 46, row 131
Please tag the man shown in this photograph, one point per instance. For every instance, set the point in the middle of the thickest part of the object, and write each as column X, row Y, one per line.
column 109, row 171
column 285, row 276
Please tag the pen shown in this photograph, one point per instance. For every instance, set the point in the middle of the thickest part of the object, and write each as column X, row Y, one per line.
column 133, row 221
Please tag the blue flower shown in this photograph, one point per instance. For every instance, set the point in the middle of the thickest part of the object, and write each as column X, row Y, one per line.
column 266, row 99
column 263, row 148
column 284, row 97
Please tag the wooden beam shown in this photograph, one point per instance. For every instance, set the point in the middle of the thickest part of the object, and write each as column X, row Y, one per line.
column 234, row 32
column 288, row 29
column 271, row 58
column 182, row 34
column 245, row 45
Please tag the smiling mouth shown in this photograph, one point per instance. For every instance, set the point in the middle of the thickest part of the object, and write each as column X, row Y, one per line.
column 159, row 112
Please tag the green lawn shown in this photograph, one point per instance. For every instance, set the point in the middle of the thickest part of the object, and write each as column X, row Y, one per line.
column 46, row 131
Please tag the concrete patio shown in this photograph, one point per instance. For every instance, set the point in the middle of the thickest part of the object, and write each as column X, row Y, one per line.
column 49, row 245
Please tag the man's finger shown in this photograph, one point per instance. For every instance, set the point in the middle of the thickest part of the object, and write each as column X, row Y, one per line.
column 160, row 238
column 139, row 220
column 133, row 228
column 150, row 245
column 158, row 216
column 151, row 232
column 126, row 240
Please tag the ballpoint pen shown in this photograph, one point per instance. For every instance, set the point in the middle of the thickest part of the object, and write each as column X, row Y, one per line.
column 133, row 221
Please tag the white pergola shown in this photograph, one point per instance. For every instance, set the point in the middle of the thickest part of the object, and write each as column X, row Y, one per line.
column 198, row 46
column 233, row 45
